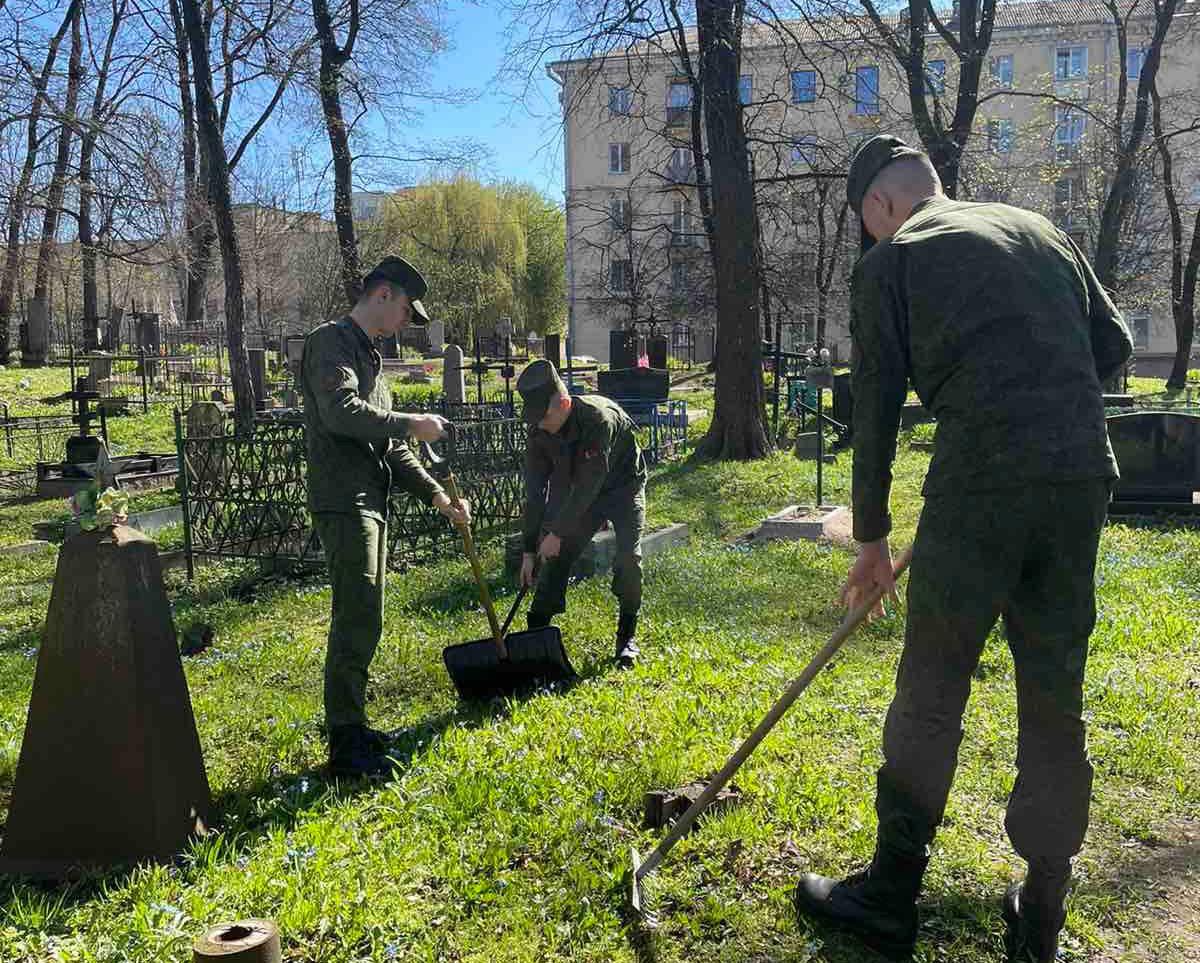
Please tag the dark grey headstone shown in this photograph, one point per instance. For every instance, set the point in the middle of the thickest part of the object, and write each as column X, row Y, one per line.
column 1158, row 453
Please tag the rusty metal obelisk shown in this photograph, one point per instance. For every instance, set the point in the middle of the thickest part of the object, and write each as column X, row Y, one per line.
column 110, row 770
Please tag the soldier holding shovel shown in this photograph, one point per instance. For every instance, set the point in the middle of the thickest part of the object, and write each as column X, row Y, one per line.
column 355, row 454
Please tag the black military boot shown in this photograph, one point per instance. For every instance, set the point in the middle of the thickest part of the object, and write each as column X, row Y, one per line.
column 1034, row 912
column 377, row 740
column 627, row 647
column 537, row 620
column 352, row 754
column 877, row 904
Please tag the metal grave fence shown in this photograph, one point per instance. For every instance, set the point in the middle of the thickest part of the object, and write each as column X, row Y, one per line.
column 244, row 495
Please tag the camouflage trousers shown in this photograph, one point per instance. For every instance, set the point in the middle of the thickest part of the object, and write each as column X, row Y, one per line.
column 356, row 549
column 1027, row 556
column 628, row 518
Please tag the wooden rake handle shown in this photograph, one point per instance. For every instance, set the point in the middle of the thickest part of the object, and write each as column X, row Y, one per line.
column 851, row 622
column 485, row 595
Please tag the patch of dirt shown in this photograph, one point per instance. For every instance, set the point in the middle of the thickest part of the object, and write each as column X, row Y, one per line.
column 1167, row 874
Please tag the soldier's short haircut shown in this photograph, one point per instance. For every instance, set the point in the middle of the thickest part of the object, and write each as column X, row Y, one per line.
column 375, row 283
column 909, row 175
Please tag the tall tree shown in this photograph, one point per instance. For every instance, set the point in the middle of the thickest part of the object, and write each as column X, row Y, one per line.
column 1128, row 137
column 19, row 198
column 333, row 59
column 209, row 131
column 62, row 157
column 738, row 429
column 95, row 123
column 1184, row 268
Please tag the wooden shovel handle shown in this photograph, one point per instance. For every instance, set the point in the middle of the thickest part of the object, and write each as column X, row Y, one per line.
column 485, row 595
column 852, row 621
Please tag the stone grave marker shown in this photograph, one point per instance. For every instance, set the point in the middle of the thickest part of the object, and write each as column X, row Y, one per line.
column 454, row 381
column 110, row 770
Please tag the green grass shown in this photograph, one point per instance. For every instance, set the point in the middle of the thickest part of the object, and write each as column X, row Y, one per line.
column 504, row 836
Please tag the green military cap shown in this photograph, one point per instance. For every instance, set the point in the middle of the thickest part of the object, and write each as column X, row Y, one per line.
column 400, row 272
column 872, row 156
column 538, row 384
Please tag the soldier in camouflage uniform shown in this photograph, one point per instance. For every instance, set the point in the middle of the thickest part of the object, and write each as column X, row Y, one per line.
column 1006, row 335
column 582, row 466
column 355, row 454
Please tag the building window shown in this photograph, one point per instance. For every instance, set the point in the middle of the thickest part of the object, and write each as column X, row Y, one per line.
column 1135, row 60
column 1002, row 70
column 804, row 151
column 804, row 86
column 1070, row 63
column 1066, row 197
column 866, row 90
column 679, row 102
column 678, row 277
column 679, row 169
column 681, row 222
column 620, row 274
column 1139, row 327
column 1069, row 128
column 618, row 158
column 935, row 77
column 1000, row 136
column 745, row 89
column 620, row 101
column 620, row 214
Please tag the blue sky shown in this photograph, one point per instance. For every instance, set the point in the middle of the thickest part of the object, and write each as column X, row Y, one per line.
column 524, row 141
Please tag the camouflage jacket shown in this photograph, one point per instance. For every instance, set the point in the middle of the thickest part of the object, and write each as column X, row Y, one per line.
column 999, row 322
column 351, row 433
column 594, row 458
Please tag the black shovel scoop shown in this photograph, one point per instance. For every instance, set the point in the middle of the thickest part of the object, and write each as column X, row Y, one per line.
column 499, row 665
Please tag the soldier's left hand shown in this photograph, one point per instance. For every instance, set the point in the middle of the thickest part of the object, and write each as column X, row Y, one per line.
column 459, row 515
column 551, row 546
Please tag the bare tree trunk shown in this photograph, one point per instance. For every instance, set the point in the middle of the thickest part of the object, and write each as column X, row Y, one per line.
column 738, row 429
column 333, row 58
column 213, row 147
column 1183, row 276
column 19, row 197
column 197, row 218
column 62, row 157
column 1120, row 193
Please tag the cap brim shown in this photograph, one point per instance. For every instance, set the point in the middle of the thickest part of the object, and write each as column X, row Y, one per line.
column 420, row 315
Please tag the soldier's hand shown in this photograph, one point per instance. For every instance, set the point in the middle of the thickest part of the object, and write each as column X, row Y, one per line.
column 551, row 546
column 528, row 560
column 458, row 515
column 428, row 428
column 872, row 571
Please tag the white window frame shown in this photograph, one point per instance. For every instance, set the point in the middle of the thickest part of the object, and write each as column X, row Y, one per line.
column 1070, row 128
column 1002, row 64
column 810, row 90
column 620, row 154
column 620, row 101
column 1076, row 62
column 1000, row 135
column 619, row 213
column 620, row 284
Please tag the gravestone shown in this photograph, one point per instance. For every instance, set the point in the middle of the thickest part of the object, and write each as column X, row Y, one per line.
column 149, row 339
column 112, row 332
column 99, row 370
column 656, row 351
column 437, row 335
column 705, row 344
column 622, row 349
column 205, row 464
column 258, row 376
column 454, row 381
column 639, row 384
column 1158, row 453
column 110, row 770
column 294, row 350
column 36, row 344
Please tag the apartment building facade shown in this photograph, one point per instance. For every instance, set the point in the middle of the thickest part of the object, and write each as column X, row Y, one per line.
column 811, row 92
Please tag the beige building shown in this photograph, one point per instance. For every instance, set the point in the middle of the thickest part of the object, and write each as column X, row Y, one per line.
column 811, row 92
